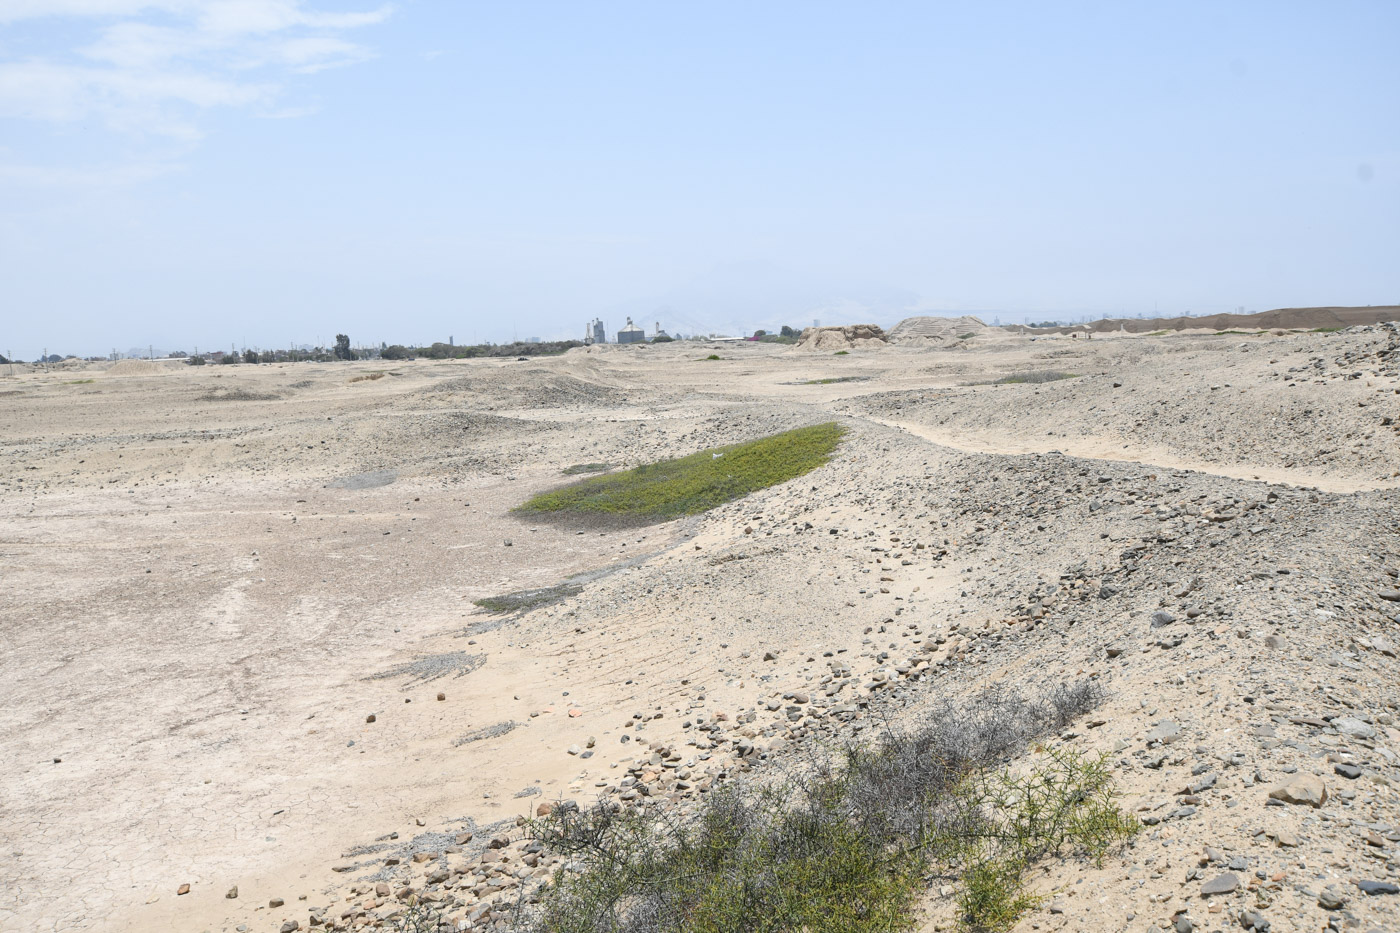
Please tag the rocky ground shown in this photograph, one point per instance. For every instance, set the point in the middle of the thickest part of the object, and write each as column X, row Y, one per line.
column 240, row 605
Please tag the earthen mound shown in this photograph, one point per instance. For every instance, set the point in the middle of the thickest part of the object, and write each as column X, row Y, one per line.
column 849, row 337
column 136, row 368
column 914, row 331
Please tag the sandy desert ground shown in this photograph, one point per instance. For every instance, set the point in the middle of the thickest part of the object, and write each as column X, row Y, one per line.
column 214, row 577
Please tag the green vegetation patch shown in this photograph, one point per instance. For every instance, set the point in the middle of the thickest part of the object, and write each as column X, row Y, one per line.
column 834, row 379
column 712, row 356
column 848, row 846
column 79, row 382
column 1240, row 333
column 842, row 353
column 1032, row 378
column 586, row 468
column 1156, row 333
column 525, row 600
column 670, row 489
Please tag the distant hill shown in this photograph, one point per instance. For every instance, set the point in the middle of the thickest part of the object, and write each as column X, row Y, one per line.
column 1278, row 319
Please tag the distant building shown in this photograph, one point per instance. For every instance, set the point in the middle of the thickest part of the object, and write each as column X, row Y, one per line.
column 660, row 332
column 595, row 332
column 631, row 334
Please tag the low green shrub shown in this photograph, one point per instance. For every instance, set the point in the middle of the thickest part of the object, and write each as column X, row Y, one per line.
column 673, row 488
column 1032, row 378
column 586, row 468
column 846, row 846
column 525, row 600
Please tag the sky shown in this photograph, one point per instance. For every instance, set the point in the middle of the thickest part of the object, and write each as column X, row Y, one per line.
column 271, row 172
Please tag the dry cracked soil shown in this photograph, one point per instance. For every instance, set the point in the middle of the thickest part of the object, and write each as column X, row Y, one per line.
column 245, row 687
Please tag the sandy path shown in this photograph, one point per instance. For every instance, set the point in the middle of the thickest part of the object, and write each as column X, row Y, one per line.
column 991, row 443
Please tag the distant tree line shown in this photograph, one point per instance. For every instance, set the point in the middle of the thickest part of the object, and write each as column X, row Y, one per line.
column 448, row 351
column 786, row 335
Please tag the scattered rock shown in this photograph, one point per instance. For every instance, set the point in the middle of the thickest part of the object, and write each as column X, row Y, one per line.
column 1253, row 920
column 1304, row 789
column 1221, row 884
column 1356, row 728
column 1164, row 733
column 1377, row 887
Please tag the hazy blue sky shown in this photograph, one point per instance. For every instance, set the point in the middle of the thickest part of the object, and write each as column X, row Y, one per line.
column 271, row 171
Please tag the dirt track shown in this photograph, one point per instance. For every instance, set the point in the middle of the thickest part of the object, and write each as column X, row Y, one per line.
column 200, row 593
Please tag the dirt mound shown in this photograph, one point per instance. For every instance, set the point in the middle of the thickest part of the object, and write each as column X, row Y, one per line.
column 232, row 394
column 850, row 337
column 136, row 368
column 1331, row 318
column 914, row 331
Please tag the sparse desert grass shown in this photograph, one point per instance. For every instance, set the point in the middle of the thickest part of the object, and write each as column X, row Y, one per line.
column 846, row 845
column 1324, row 330
column 237, row 395
column 431, row 667
column 586, row 468
column 842, row 353
column 712, row 356
column 966, row 336
column 689, row 485
column 79, row 382
column 377, row 374
column 1240, row 333
column 485, row 732
column 525, row 600
column 1156, row 333
column 1030, row 378
column 833, row 379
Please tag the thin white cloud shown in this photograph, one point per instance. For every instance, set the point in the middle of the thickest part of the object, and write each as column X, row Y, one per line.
column 13, row 10
column 287, row 113
column 317, row 53
column 154, row 65
column 87, row 177
column 262, row 16
column 126, row 101
column 214, row 15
